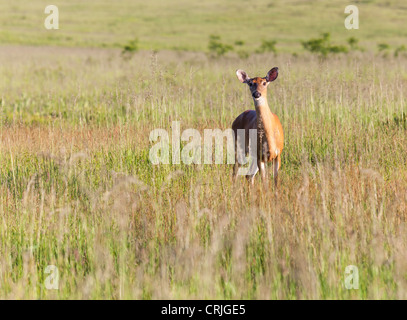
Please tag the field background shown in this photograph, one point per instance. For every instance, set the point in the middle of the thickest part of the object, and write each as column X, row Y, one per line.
column 186, row 25
column 77, row 189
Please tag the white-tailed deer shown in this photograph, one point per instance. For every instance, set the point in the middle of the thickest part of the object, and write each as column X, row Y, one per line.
column 270, row 136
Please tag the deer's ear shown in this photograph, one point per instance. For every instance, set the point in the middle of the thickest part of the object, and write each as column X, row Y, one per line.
column 242, row 76
column 272, row 74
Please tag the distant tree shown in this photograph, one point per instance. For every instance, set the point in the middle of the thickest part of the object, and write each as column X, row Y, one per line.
column 216, row 47
column 323, row 45
column 383, row 48
column 354, row 44
column 267, row 46
column 130, row 48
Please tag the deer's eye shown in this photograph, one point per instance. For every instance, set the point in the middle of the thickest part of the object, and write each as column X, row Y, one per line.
column 264, row 83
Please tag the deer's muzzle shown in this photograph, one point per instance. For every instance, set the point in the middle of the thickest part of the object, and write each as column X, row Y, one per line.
column 256, row 94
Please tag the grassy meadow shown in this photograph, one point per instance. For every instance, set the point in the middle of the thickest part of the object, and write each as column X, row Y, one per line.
column 77, row 189
column 186, row 25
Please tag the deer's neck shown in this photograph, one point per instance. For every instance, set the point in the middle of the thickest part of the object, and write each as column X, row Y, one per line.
column 265, row 122
column 264, row 115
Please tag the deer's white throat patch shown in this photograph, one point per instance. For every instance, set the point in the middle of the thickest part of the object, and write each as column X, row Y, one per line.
column 260, row 101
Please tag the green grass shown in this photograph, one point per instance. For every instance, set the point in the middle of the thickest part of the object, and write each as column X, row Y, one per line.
column 78, row 190
column 186, row 25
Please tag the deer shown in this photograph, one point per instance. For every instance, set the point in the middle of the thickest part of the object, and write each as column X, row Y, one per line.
column 270, row 135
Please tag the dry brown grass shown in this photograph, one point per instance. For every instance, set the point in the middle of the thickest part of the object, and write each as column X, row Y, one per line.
column 78, row 191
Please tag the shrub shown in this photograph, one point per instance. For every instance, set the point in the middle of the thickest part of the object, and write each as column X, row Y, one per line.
column 268, row 46
column 353, row 44
column 323, row 46
column 130, row 48
column 216, row 47
column 383, row 48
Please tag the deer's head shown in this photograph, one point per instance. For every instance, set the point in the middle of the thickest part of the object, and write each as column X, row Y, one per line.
column 258, row 86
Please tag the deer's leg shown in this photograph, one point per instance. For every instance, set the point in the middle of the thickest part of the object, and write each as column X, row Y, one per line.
column 252, row 170
column 238, row 149
column 236, row 165
column 276, row 166
column 262, row 169
column 264, row 178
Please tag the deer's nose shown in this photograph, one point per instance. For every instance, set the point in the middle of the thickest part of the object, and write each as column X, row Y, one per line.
column 256, row 95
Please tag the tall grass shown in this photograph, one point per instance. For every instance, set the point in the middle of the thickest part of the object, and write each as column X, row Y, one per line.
column 78, row 191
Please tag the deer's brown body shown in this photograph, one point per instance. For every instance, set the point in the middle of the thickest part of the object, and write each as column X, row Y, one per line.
column 270, row 135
